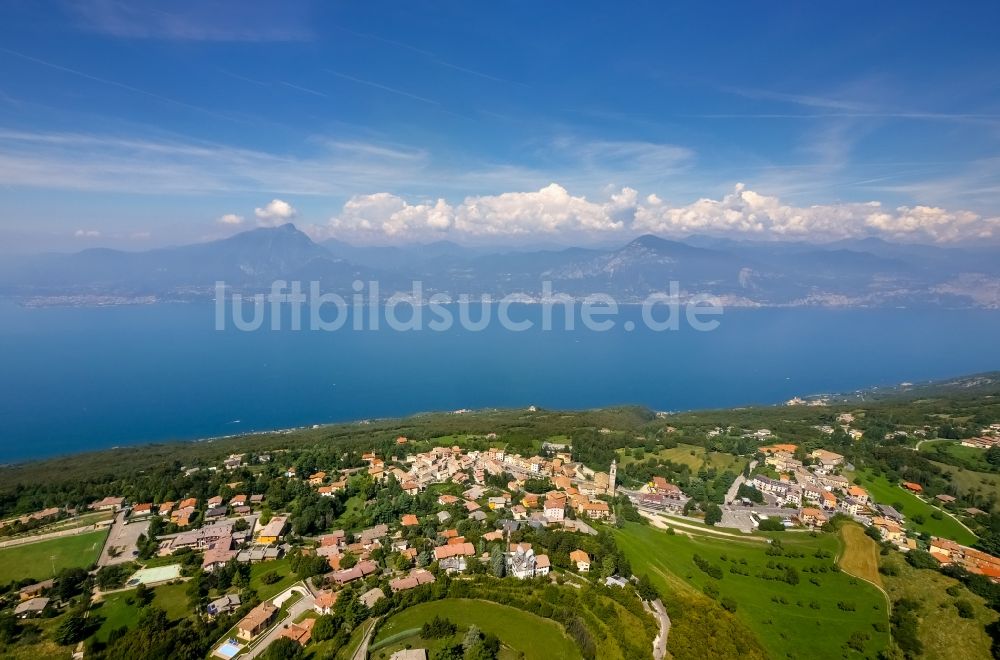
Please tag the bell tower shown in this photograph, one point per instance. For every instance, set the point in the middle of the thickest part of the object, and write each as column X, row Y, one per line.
column 612, row 476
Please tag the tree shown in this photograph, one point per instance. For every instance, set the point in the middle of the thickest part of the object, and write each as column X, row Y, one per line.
column 751, row 493
column 69, row 582
column 713, row 514
column 921, row 559
column 143, row 595
column 283, row 648
column 71, row 630
column 993, row 455
column 646, row 589
column 325, row 628
column 472, row 636
column 9, row 629
column 498, row 562
column 964, row 608
column 270, row 577
column 437, row 628
column 112, row 577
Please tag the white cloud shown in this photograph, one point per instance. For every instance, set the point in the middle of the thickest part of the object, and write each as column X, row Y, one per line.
column 549, row 211
column 746, row 213
column 553, row 212
column 231, row 219
column 275, row 212
column 87, row 233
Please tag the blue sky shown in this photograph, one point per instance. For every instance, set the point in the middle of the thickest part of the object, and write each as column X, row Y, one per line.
column 142, row 124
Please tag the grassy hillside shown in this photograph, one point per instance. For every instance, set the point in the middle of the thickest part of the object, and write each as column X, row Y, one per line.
column 859, row 556
column 975, row 483
column 527, row 635
column 803, row 620
column 920, row 515
column 944, row 634
column 951, row 451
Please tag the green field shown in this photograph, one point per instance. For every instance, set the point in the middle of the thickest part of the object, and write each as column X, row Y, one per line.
column 791, row 621
column 353, row 516
column 860, row 554
column 953, row 452
column 692, row 456
column 534, row 637
column 116, row 610
column 120, row 609
column 40, row 560
column 910, row 505
column 944, row 634
column 172, row 599
column 280, row 566
column 981, row 484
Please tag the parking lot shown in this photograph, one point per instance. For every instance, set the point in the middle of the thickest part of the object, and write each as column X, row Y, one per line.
column 121, row 544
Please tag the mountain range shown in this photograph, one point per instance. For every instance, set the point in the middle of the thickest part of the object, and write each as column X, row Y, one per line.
column 854, row 273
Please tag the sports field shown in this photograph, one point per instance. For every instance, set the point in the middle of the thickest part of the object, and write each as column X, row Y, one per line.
column 43, row 559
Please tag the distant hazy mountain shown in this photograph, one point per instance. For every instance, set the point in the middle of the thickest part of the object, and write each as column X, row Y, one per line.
column 868, row 272
column 248, row 261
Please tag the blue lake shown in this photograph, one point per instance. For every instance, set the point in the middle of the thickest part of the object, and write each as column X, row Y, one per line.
column 74, row 379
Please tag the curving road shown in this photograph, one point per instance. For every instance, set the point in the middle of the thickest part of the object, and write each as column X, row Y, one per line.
column 657, row 609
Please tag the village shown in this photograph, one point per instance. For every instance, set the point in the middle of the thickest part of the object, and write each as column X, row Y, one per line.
column 481, row 501
column 797, row 495
column 233, row 529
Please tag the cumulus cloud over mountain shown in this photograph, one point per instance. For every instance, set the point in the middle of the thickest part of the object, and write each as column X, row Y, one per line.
column 553, row 211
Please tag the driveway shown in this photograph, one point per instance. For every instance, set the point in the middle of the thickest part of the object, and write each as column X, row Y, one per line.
column 292, row 613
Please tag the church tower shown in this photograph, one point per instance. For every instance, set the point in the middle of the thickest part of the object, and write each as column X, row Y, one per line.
column 612, row 475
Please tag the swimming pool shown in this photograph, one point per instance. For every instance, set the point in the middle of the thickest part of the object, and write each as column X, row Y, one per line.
column 228, row 650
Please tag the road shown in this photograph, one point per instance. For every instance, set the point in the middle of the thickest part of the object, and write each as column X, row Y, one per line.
column 362, row 652
column 657, row 609
column 731, row 494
